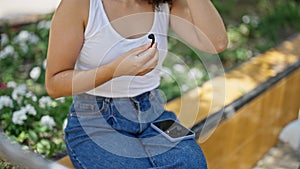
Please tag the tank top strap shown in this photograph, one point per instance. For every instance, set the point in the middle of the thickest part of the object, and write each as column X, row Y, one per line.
column 102, row 11
column 95, row 20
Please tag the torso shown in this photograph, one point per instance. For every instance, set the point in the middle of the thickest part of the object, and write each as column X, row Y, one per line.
column 108, row 35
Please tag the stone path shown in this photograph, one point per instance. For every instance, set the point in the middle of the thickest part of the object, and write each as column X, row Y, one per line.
column 281, row 156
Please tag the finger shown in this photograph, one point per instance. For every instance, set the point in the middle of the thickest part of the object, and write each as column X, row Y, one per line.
column 145, row 71
column 152, row 63
column 151, row 48
column 154, row 45
column 141, row 49
column 151, row 53
column 149, row 66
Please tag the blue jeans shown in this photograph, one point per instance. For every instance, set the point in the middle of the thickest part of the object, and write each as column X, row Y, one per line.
column 116, row 133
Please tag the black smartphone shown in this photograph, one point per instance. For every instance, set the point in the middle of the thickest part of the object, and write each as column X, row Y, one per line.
column 173, row 130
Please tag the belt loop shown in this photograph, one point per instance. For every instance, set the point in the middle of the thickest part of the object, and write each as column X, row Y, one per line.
column 108, row 100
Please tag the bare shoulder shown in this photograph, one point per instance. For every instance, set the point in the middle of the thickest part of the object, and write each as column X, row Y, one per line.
column 74, row 4
column 180, row 8
column 73, row 9
column 179, row 4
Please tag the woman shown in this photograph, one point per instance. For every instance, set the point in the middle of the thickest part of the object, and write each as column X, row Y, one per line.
column 100, row 53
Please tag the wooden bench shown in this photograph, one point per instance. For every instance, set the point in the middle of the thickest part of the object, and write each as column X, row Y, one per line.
column 261, row 97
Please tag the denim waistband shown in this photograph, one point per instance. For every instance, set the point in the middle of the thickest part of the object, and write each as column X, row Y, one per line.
column 89, row 97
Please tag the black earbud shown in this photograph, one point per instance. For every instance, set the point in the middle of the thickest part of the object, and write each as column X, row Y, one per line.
column 152, row 37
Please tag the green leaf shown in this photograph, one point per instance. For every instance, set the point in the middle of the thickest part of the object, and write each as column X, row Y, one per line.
column 40, row 148
column 22, row 136
column 33, row 136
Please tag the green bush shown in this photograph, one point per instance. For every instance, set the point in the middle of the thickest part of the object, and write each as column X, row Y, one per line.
column 253, row 30
column 35, row 122
column 27, row 114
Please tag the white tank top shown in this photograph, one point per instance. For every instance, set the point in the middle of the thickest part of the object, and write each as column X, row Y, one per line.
column 103, row 44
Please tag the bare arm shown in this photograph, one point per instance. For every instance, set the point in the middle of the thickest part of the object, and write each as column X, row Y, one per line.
column 65, row 42
column 198, row 23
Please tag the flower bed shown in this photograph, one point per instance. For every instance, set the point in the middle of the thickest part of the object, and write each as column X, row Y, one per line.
column 34, row 121
column 27, row 114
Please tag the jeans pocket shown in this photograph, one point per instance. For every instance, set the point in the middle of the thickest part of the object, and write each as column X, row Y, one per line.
column 81, row 113
column 158, row 97
column 86, row 107
column 157, row 102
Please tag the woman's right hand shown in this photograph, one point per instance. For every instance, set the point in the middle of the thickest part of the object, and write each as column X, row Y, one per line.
column 135, row 62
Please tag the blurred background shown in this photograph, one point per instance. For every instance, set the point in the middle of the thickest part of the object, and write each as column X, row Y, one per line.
column 33, row 119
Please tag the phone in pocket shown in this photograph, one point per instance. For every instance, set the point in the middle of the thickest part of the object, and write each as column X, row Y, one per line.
column 173, row 130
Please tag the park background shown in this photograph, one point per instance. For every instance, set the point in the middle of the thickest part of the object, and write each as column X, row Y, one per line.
column 33, row 119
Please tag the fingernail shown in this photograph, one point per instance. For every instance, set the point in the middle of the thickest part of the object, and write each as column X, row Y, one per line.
column 154, row 45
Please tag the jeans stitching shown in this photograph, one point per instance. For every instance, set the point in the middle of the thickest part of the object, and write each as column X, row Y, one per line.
column 152, row 160
column 73, row 154
column 87, row 112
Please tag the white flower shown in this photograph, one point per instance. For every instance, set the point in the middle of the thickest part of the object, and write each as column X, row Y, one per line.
column 25, row 36
column 246, row 19
column 34, row 98
column 184, row 88
column 179, row 68
column 24, row 47
column 48, row 121
column 18, row 92
column 11, row 84
column 45, row 101
column 166, row 73
column 65, row 124
column 166, row 70
column 30, row 109
column 53, row 104
column 7, row 51
column 4, row 39
column 61, row 99
column 19, row 117
column 44, row 24
column 44, row 64
column 33, row 38
column 10, row 50
column 5, row 101
column 195, row 74
column 31, row 95
column 35, row 73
